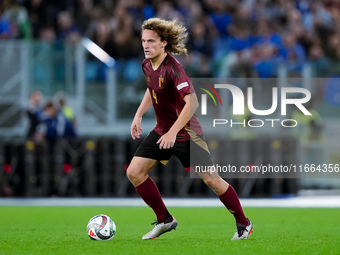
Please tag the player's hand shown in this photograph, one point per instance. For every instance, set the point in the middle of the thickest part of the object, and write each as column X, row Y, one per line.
column 136, row 129
column 167, row 141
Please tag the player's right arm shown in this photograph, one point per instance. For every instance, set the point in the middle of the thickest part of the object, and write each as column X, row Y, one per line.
column 137, row 120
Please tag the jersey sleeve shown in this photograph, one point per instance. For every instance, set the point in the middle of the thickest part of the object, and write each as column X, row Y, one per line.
column 182, row 82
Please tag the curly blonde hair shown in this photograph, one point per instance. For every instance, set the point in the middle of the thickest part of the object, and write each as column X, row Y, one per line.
column 172, row 32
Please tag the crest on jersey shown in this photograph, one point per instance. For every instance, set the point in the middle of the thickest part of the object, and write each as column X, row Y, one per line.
column 148, row 79
column 160, row 82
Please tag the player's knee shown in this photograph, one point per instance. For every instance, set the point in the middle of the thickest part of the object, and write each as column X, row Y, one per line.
column 133, row 174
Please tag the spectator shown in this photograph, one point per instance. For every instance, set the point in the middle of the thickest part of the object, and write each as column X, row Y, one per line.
column 237, row 64
column 124, row 38
column 309, row 39
column 18, row 18
column 333, row 53
column 192, row 11
column 38, row 16
column 47, row 34
column 199, row 41
column 292, row 53
column 97, row 15
column 102, row 36
column 294, row 24
column 266, row 66
column 166, row 10
column 333, row 47
column 67, row 30
column 265, row 35
column 318, row 61
column 34, row 113
column 276, row 11
column 317, row 15
column 197, row 65
column 240, row 39
column 82, row 17
column 221, row 18
column 242, row 18
column 65, row 109
column 256, row 9
column 5, row 31
column 56, row 124
column 139, row 13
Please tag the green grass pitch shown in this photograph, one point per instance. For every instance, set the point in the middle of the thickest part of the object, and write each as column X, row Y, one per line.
column 62, row 230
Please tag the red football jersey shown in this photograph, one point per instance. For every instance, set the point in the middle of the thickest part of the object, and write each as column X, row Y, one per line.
column 168, row 85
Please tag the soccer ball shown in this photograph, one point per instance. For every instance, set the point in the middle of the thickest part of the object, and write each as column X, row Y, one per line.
column 101, row 227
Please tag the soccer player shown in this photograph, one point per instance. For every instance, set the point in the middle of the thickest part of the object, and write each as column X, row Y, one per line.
column 177, row 130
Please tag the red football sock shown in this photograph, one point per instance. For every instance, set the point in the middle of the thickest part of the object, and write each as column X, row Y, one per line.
column 150, row 194
column 231, row 201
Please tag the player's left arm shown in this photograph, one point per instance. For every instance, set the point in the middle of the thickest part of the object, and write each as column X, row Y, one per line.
column 168, row 139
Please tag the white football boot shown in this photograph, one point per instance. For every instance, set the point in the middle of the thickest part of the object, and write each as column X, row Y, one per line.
column 161, row 228
column 242, row 231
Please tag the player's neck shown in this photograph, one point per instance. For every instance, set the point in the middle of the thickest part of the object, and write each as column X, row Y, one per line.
column 156, row 62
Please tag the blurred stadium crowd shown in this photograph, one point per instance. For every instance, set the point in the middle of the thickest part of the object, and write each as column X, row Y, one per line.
column 251, row 37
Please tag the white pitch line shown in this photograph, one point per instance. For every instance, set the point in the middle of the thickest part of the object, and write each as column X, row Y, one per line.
column 293, row 202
